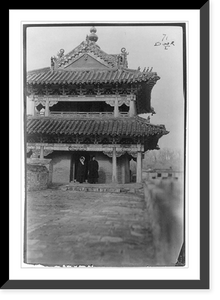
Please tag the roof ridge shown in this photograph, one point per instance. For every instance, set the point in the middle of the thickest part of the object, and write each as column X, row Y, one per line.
column 85, row 47
column 39, row 70
column 141, row 119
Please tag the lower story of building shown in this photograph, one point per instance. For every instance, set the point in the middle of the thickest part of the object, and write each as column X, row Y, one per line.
column 114, row 166
column 65, row 165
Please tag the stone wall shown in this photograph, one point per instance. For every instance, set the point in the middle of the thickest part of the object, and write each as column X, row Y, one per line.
column 123, row 169
column 165, row 212
column 63, row 165
column 162, row 175
column 42, row 162
column 37, row 177
column 61, row 161
column 105, row 168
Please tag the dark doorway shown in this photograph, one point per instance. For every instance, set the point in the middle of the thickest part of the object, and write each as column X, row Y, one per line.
column 74, row 163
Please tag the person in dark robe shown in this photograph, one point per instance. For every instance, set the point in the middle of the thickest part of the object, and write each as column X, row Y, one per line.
column 81, row 170
column 93, row 168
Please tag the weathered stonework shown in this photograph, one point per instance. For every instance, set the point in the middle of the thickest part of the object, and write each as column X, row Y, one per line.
column 37, row 177
column 39, row 173
column 42, row 162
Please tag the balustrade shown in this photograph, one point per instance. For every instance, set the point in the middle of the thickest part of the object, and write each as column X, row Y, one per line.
column 85, row 114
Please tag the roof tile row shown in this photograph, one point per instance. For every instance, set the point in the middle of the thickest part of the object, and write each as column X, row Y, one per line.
column 89, row 76
column 135, row 126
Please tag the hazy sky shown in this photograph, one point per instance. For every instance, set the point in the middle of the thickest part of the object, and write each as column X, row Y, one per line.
column 145, row 47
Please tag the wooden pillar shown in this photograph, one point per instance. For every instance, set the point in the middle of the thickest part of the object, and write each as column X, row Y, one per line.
column 114, row 166
column 139, row 167
column 123, row 169
column 132, row 108
column 34, row 109
column 41, row 152
column 116, row 110
column 47, row 109
column 127, row 170
column 30, row 106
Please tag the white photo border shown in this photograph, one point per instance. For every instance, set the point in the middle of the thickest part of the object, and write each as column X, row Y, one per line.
column 192, row 19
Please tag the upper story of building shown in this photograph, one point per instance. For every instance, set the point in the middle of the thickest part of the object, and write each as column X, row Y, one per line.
column 88, row 82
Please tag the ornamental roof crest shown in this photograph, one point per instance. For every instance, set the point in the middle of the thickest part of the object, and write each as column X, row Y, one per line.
column 89, row 55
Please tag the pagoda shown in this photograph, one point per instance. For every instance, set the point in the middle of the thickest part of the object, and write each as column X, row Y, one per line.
column 88, row 103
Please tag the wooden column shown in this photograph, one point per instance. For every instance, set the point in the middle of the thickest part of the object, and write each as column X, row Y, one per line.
column 127, row 170
column 123, row 171
column 132, row 107
column 116, row 110
column 114, row 166
column 34, row 108
column 139, row 167
column 30, row 106
column 41, row 152
column 47, row 109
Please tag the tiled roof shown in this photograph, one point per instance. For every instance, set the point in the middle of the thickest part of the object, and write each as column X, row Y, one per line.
column 134, row 126
column 47, row 76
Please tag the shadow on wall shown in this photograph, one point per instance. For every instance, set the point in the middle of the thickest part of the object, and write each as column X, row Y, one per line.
column 102, row 176
column 61, row 161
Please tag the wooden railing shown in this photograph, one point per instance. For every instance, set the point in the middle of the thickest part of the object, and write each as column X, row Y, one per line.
column 124, row 114
column 85, row 114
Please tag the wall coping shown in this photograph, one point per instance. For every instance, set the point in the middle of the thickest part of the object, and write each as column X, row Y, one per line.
column 38, row 161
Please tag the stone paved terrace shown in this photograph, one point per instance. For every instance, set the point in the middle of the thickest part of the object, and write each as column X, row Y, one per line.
column 69, row 227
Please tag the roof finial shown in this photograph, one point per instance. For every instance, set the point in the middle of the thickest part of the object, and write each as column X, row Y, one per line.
column 93, row 36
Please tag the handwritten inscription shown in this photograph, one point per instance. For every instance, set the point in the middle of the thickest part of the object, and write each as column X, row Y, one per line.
column 165, row 42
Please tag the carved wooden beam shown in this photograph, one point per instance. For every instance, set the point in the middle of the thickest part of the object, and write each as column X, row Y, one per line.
column 132, row 153
column 118, row 153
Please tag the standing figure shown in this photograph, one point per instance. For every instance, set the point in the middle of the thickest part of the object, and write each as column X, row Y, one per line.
column 93, row 168
column 81, row 170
